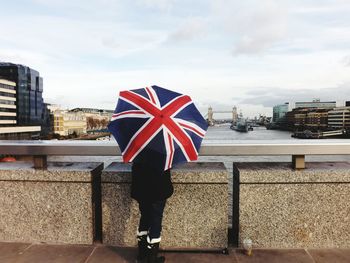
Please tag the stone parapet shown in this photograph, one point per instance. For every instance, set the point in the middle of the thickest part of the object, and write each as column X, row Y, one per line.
column 57, row 205
column 280, row 207
column 196, row 216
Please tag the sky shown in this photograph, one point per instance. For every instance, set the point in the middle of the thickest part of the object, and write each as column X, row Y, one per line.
column 252, row 54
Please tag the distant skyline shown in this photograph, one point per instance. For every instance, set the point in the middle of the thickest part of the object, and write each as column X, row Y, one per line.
column 250, row 54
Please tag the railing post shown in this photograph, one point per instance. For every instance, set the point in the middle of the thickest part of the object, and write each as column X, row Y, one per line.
column 40, row 162
column 298, row 161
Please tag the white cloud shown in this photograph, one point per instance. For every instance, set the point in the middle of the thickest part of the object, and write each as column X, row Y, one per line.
column 255, row 27
column 192, row 28
column 346, row 61
column 163, row 5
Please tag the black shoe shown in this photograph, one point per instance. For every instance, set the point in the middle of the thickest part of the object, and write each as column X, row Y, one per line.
column 152, row 256
column 142, row 248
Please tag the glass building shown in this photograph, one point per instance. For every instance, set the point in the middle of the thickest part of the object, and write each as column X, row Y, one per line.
column 279, row 112
column 29, row 98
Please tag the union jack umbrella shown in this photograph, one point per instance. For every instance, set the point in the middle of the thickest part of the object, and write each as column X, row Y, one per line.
column 157, row 126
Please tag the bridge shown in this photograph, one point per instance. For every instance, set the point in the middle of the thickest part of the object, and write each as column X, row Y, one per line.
column 210, row 116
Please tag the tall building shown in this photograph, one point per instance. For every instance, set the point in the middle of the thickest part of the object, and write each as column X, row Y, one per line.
column 29, row 98
column 9, row 128
column 279, row 112
column 7, row 103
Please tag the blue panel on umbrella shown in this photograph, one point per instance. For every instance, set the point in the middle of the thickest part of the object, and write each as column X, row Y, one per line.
column 123, row 106
column 195, row 139
column 191, row 114
column 179, row 157
column 165, row 95
column 141, row 92
column 124, row 129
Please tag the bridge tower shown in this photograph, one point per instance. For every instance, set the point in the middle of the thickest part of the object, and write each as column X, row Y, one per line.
column 234, row 115
column 210, row 116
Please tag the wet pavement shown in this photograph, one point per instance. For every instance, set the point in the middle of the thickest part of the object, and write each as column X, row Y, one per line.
column 43, row 253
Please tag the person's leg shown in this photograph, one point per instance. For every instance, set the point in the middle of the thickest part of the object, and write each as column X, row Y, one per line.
column 155, row 230
column 145, row 219
column 144, row 225
column 156, row 217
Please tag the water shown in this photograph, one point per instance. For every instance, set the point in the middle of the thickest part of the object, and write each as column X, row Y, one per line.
column 225, row 134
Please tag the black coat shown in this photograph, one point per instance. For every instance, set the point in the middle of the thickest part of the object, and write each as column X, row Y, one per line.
column 149, row 184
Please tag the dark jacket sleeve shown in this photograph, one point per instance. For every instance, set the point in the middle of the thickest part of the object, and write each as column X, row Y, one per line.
column 149, row 184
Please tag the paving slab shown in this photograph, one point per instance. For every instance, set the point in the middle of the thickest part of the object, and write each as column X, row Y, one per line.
column 330, row 255
column 10, row 251
column 109, row 254
column 275, row 256
column 55, row 254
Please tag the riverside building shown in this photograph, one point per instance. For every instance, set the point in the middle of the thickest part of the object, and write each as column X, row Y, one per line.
column 66, row 123
column 339, row 118
column 29, row 89
column 9, row 128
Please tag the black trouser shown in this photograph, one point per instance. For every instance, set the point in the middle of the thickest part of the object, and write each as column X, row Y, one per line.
column 151, row 217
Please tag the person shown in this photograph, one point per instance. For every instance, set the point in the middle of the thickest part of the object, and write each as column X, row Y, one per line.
column 151, row 188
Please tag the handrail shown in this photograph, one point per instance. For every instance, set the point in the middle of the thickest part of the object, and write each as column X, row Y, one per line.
column 243, row 147
column 296, row 148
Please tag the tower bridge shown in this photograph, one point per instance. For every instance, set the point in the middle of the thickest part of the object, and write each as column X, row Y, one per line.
column 210, row 115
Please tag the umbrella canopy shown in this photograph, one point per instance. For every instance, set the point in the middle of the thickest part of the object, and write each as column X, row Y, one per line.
column 157, row 126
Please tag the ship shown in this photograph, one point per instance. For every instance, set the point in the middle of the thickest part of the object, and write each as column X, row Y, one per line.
column 241, row 126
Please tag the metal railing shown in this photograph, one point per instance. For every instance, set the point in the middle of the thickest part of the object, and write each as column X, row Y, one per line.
column 295, row 148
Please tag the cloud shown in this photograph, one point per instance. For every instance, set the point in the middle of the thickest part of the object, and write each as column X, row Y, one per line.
column 255, row 27
column 163, row 5
column 192, row 28
column 346, row 61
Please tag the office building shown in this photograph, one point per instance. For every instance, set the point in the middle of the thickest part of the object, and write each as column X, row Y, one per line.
column 29, row 89
column 339, row 118
column 9, row 128
column 279, row 112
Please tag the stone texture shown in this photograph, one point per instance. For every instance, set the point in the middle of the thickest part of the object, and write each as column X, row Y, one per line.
column 299, row 209
column 53, row 205
column 56, row 171
column 266, row 172
column 195, row 173
column 196, row 216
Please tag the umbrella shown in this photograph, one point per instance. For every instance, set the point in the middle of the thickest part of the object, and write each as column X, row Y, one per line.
column 157, row 126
